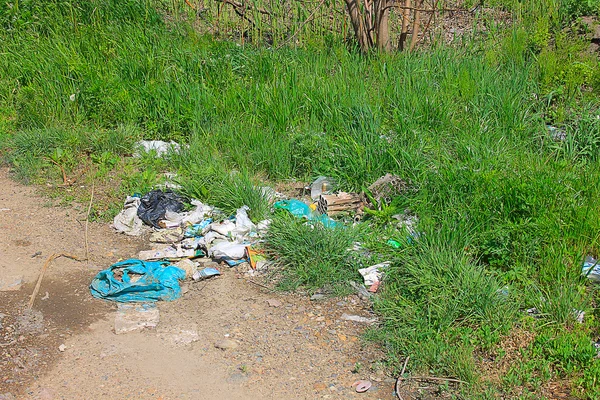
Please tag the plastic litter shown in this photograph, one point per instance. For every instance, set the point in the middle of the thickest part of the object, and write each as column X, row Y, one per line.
column 155, row 204
column 136, row 280
column 184, row 219
column 302, row 210
column 362, row 386
column 127, row 221
column 205, row 273
column 591, row 269
column 243, row 225
column 161, row 148
column 228, row 250
column 170, row 252
column 167, row 236
column 322, row 185
column 556, row 134
column 197, row 230
column 394, row 244
column 373, row 273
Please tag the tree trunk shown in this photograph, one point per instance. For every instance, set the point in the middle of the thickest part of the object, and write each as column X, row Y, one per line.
column 360, row 30
column 404, row 32
column 416, row 25
column 382, row 28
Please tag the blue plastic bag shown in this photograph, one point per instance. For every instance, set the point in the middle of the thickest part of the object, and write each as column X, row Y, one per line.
column 299, row 209
column 158, row 280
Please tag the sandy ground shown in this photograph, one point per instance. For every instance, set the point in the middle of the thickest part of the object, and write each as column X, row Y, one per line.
column 284, row 345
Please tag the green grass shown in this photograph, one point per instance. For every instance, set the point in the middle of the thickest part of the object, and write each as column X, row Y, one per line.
column 507, row 214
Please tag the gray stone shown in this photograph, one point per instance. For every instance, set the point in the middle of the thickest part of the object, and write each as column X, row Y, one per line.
column 226, row 344
column 135, row 317
column 11, row 283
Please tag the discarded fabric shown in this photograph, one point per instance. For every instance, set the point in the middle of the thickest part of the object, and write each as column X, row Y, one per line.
column 155, row 204
column 127, row 221
column 136, row 280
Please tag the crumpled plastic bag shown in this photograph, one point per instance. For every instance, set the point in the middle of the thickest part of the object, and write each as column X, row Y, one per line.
column 591, row 269
column 161, row 148
column 140, row 281
column 299, row 209
column 374, row 273
column 243, row 225
column 228, row 250
column 174, row 219
column 127, row 221
column 155, row 204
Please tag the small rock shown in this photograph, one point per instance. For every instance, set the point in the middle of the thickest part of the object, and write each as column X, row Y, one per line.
column 62, row 347
column 188, row 266
column 7, row 396
column 317, row 296
column 319, row 386
column 274, row 303
column 358, row 318
column 226, row 344
column 237, row 378
column 11, row 283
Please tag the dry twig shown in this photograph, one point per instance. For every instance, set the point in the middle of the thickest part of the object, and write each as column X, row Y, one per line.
column 43, row 271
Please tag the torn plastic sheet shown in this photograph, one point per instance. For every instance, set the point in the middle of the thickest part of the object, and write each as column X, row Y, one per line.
column 161, row 148
column 169, row 252
column 137, row 280
column 302, row 210
column 228, row 250
column 197, row 230
column 127, row 221
column 591, row 269
column 155, row 204
column 374, row 273
column 205, row 273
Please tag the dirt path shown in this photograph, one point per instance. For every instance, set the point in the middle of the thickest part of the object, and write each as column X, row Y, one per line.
column 289, row 348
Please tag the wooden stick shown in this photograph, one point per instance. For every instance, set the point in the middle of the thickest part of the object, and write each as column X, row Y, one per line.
column 400, row 377
column 43, row 271
column 87, row 220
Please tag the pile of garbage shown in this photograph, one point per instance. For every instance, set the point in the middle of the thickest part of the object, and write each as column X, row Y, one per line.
column 196, row 243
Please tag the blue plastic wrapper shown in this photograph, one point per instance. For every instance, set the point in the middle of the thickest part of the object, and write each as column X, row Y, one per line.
column 196, row 229
column 158, row 280
column 300, row 210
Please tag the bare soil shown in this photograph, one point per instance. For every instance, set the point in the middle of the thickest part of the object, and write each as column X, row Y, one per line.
column 288, row 348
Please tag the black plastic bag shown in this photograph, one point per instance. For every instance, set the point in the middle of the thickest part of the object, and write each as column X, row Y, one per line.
column 156, row 203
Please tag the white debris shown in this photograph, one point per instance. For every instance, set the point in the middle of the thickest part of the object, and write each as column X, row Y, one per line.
column 373, row 273
column 161, row 148
column 127, row 221
column 358, row 318
column 135, row 317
